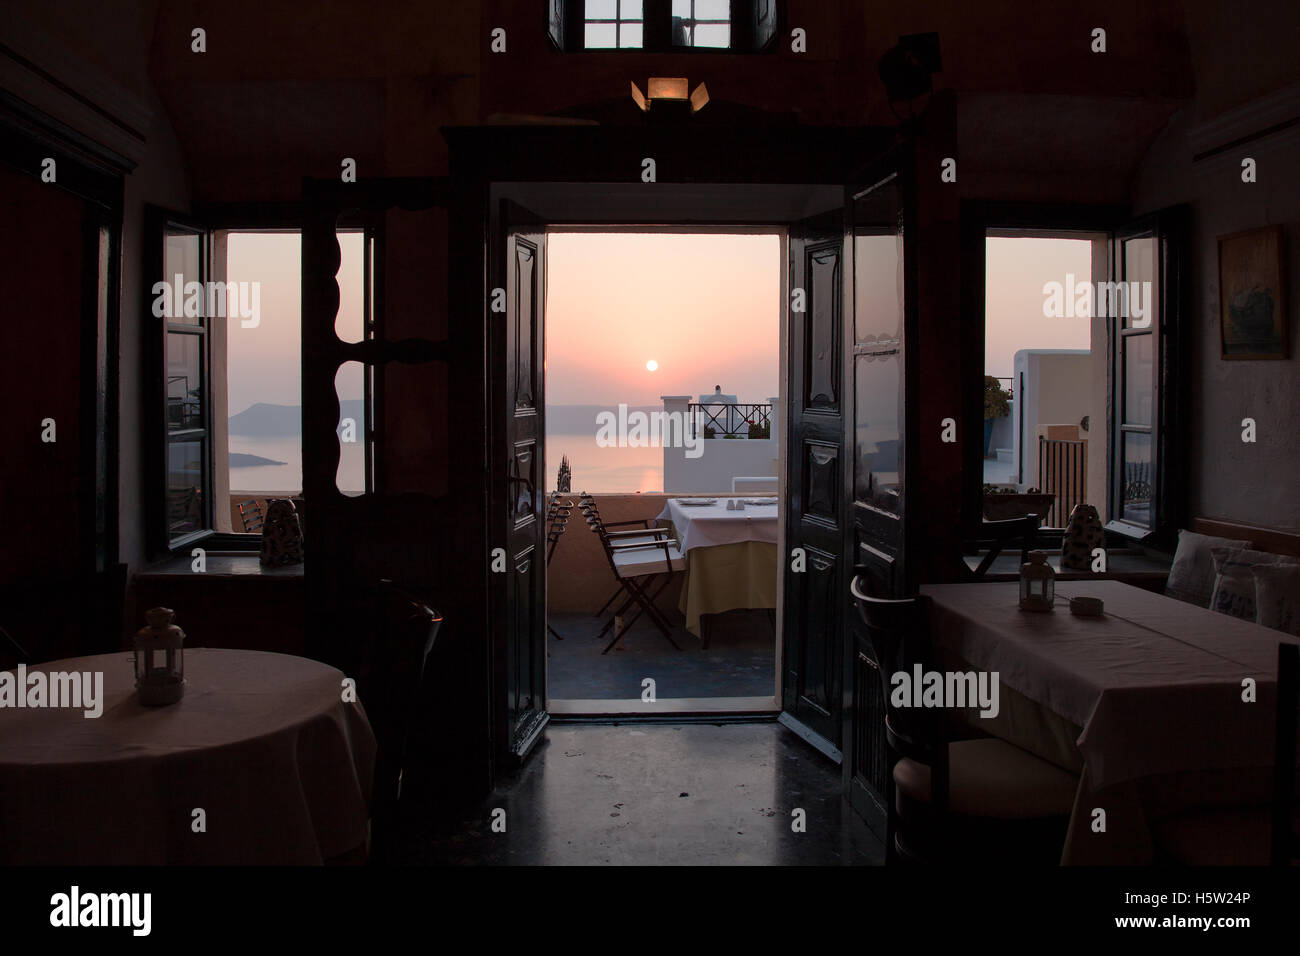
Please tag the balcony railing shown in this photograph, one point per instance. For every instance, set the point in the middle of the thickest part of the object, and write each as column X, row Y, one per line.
column 728, row 418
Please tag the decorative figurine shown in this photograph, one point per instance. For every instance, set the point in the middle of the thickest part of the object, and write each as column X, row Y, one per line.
column 281, row 534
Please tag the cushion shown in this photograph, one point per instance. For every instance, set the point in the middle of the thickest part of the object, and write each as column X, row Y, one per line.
column 1277, row 596
column 991, row 778
column 1191, row 578
column 1234, row 584
column 648, row 559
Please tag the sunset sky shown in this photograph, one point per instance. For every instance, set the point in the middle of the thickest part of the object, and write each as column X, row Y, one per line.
column 704, row 307
column 1016, row 270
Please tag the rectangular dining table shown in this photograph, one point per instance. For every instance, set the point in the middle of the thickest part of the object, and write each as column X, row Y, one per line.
column 1160, row 705
column 730, row 555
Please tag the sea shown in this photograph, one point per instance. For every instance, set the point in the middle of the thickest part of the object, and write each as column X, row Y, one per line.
column 594, row 469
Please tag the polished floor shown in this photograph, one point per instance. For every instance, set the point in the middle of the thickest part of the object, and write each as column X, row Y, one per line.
column 660, row 794
column 739, row 662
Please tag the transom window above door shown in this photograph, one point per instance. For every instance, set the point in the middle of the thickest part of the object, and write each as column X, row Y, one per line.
column 664, row 26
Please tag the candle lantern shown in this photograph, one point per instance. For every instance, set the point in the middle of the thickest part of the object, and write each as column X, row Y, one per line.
column 1037, row 583
column 160, row 659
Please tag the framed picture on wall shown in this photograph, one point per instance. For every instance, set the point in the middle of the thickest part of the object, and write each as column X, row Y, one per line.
column 1252, row 295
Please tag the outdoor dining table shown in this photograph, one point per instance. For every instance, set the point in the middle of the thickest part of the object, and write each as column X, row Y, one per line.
column 730, row 555
column 265, row 745
column 1150, row 702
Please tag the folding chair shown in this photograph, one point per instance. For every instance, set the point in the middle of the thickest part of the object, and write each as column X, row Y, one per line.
column 557, row 519
column 638, row 565
column 644, row 534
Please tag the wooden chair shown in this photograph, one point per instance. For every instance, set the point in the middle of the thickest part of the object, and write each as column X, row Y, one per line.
column 643, row 567
column 997, row 535
column 1251, row 835
column 557, row 519
column 250, row 513
column 390, row 683
column 953, row 797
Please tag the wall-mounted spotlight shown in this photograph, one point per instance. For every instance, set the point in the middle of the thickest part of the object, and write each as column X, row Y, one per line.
column 670, row 95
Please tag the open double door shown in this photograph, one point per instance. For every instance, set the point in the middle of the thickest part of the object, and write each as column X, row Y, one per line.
column 849, row 425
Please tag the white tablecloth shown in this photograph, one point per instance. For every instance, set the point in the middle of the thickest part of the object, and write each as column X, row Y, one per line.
column 706, row 526
column 263, row 743
column 1155, row 684
column 1147, row 700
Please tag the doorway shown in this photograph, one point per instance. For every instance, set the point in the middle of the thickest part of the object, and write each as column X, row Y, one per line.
column 665, row 385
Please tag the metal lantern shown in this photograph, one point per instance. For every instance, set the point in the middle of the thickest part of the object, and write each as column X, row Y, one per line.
column 160, row 659
column 1037, row 583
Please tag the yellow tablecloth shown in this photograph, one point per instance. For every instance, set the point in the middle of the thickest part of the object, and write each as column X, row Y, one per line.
column 727, row 577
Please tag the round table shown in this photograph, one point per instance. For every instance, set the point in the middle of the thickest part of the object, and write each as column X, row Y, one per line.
column 262, row 743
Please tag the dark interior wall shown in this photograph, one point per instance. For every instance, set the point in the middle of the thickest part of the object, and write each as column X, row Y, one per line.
column 1247, row 81
column 41, row 251
column 1250, row 483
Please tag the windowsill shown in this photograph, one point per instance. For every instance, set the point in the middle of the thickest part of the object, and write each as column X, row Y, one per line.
column 220, row 564
column 1120, row 564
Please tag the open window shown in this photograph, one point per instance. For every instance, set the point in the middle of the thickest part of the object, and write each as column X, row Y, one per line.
column 1081, row 351
column 225, row 436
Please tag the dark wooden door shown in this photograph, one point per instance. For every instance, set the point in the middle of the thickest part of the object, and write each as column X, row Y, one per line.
column 521, row 585
column 814, row 567
column 882, row 418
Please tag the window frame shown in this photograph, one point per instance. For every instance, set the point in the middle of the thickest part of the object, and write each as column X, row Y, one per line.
column 619, row 21
column 1169, row 229
column 159, row 437
column 565, row 21
column 211, row 223
column 693, row 21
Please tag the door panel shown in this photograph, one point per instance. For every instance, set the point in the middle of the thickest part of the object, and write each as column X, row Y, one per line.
column 524, row 688
column 883, row 416
column 813, row 624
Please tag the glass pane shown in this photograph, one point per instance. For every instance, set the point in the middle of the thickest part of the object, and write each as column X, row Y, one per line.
column 629, row 9
column 878, row 267
column 878, row 438
column 878, row 289
column 181, row 251
column 601, row 36
column 712, row 9
column 713, row 35
column 349, row 385
column 263, row 363
column 1137, row 379
column 630, row 36
column 601, row 10
column 184, row 381
column 682, row 8
column 349, row 326
column 184, row 487
column 1136, row 302
column 1138, row 479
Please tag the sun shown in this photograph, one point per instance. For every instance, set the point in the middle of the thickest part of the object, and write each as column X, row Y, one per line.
column 651, row 365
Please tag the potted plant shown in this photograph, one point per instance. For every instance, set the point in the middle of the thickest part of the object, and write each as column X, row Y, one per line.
column 710, row 431
column 997, row 404
column 760, row 431
column 1002, row 501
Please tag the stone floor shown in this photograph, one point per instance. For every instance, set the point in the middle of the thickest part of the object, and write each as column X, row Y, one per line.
column 740, row 660
column 659, row 794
